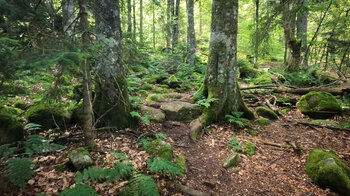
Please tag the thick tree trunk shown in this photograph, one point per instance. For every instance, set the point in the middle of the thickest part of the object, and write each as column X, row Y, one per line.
column 221, row 76
column 129, row 17
column 89, row 130
column 68, row 16
column 302, row 28
column 169, row 14
column 112, row 98
column 256, row 45
column 191, row 34
column 141, row 21
column 176, row 23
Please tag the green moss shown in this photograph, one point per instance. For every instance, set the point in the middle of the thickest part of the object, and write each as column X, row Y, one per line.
column 328, row 171
column 139, row 68
column 250, row 96
column 47, row 115
column 232, row 161
column 173, row 96
column 20, row 104
column 180, row 161
column 286, row 111
column 173, row 82
column 262, row 121
column 249, row 148
column 60, row 168
column 79, row 150
column 247, row 71
column 267, row 113
column 11, row 129
column 146, row 86
column 252, row 132
column 143, row 93
column 155, row 98
column 165, row 86
column 160, row 90
column 160, row 149
column 156, row 78
column 319, row 105
column 264, row 78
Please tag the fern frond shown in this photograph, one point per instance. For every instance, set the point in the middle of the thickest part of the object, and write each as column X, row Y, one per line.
column 79, row 190
column 164, row 167
column 38, row 144
column 19, row 170
column 120, row 156
column 142, row 185
column 6, row 150
column 32, row 127
column 124, row 171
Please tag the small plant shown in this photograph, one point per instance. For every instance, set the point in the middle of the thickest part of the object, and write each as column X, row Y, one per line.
column 161, row 135
column 144, row 143
column 79, row 190
column 142, row 185
column 206, row 102
column 164, row 167
column 19, row 171
column 120, row 156
column 6, row 150
column 38, row 144
column 33, row 127
column 233, row 144
column 236, row 119
column 144, row 119
column 249, row 148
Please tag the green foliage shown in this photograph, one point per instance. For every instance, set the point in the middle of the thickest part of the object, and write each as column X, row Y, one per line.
column 161, row 135
column 19, row 170
column 206, row 102
column 144, row 119
column 154, row 97
column 236, row 119
column 249, row 148
column 141, row 185
column 32, row 127
column 38, row 144
column 79, row 190
column 267, row 113
column 120, row 156
column 163, row 166
column 233, row 144
column 11, row 128
column 6, row 150
column 144, row 143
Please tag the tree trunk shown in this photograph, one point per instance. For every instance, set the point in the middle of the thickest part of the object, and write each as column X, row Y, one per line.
column 302, row 28
column 256, row 45
column 169, row 14
column 141, row 21
column 221, row 76
column 191, row 34
column 200, row 19
column 68, row 16
column 89, row 130
column 176, row 23
column 134, row 19
column 153, row 24
column 129, row 17
column 112, row 98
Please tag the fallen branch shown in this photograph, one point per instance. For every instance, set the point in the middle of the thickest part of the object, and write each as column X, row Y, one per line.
column 189, row 191
column 302, row 91
column 260, row 87
column 322, row 126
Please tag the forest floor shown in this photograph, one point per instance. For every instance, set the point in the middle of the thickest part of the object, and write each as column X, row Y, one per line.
column 272, row 170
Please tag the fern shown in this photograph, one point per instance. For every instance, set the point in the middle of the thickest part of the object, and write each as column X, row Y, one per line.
column 206, row 102
column 236, row 118
column 144, row 119
column 120, row 171
column 32, row 127
column 161, row 135
column 6, row 150
column 141, row 185
column 144, row 143
column 233, row 144
column 79, row 190
column 120, row 156
column 19, row 170
column 164, row 167
column 38, row 144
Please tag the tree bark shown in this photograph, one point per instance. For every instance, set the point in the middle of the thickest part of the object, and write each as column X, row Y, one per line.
column 89, row 130
column 68, row 16
column 191, row 34
column 221, row 75
column 176, row 23
column 153, row 24
column 170, row 12
column 141, row 21
column 112, row 98
column 134, row 19
column 129, row 17
column 256, row 45
column 302, row 28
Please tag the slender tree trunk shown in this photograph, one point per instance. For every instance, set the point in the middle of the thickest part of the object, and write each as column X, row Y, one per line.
column 68, row 16
column 154, row 24
column 129, row 17
column 191, row 34
column 221, row 76
column 200, row 19
column 176, row 24
column 256, row 45
column 89, row 130
column 112, row 103
column 141, row 21
column 170, row 11
column 134, row 19
column 302, row 29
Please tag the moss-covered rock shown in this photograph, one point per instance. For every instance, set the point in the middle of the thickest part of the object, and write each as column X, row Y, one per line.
column 180, row 161
column 48, row 115
column 154, row 97
column 319, row 105
column 160, row 149
column 173, row 82
column 20, row 104
column 266, row 113
column 80, row 158
column 146, row 86
column 328, row 171
column 262, row 121
column 264, row 78
column 246, row 70
column 156, row 78
column 155, row 115
column 232, row 161
column 249, row 148
column 11, row 129
column 178, row 110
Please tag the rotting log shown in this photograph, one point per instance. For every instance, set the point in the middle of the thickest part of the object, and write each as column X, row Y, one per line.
column 301, row 91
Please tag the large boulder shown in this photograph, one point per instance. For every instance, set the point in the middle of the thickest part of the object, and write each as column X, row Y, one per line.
column 266, row 113
column 155, row 115
column 11, row 128
column 80, row 158
column 328, row 171
column 319, row 105
column 48, row 115
column 179, row 110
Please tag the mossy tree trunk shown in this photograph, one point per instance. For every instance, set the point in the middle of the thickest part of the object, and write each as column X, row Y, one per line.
column 68, row 16
column 141, row 21
column 169, row 14
column 112, row 103
column 129, row 17
column 191, row 34
column 221, row 76
column 176, row 23
column 88, row 127
column 302, row 28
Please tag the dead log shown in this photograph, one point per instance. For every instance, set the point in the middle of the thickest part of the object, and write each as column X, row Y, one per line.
column 302, row 91
column 323, row 126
